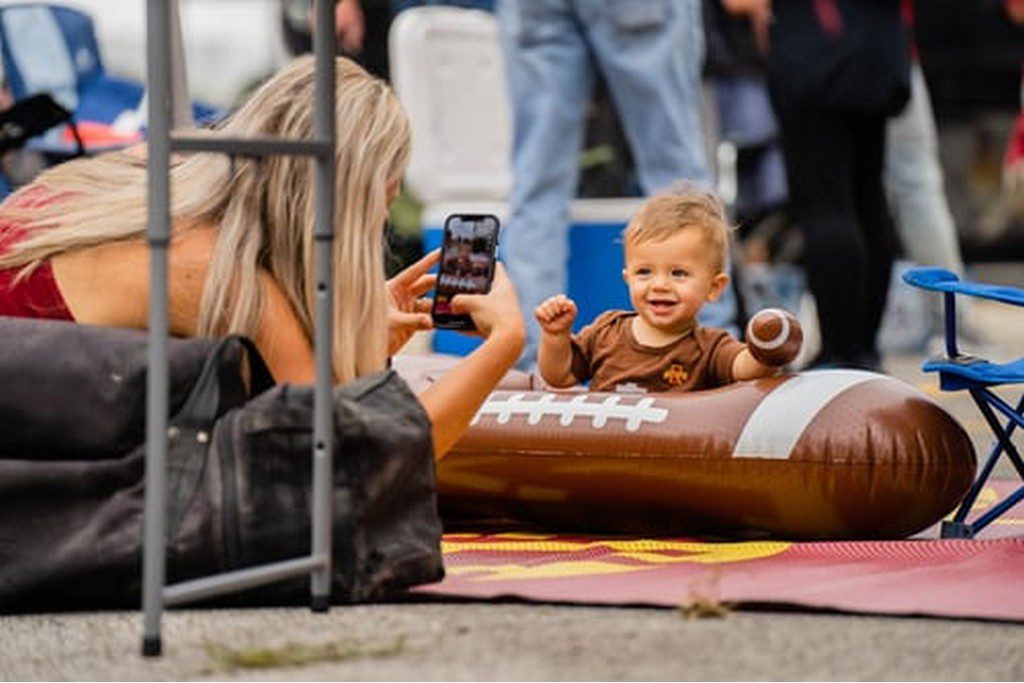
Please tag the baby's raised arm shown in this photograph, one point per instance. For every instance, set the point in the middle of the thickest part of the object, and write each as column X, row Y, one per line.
column 554, row 355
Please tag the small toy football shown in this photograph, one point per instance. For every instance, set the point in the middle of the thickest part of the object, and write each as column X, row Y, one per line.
column 774, row 337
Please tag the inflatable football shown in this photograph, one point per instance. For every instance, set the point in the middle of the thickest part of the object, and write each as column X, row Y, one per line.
column 831, row 454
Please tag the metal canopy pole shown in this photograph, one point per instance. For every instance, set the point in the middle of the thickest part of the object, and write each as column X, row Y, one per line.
column 162, row 20
column 323, row 234
column 158, row 234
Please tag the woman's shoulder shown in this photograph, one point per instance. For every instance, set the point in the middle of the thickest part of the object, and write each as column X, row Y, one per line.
column 108, row 284
column 105, row 284
column 192, row 246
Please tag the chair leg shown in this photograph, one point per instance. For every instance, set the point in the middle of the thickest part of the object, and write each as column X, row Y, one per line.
column 979, row 483
column 985, row 400
column 993, row 514
column 956, row 530
column 958, row 527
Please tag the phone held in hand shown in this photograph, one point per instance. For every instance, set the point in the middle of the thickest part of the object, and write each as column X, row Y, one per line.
column 468, row 250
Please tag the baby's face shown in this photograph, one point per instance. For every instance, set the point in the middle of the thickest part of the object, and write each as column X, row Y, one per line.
column 669, row 281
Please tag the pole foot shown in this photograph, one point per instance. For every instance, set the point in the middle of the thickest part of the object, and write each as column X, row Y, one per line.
column 320, row 603
column 151, row 646
column 956, row 530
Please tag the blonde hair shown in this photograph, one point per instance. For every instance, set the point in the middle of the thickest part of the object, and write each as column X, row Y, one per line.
column 263, row 210
column 665, row 215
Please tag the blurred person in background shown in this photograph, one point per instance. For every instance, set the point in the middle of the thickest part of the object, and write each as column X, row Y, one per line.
column 361, row 26
column 735, row 71
column 915, row 187
column 838, row 69
column 1014, row 162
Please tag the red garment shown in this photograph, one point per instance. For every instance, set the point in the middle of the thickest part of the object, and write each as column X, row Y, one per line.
column 1015, row 146
column 908, row 17
column 37, row 295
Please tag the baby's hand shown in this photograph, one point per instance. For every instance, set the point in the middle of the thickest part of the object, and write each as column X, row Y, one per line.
column 774, row 337
column 556, row 314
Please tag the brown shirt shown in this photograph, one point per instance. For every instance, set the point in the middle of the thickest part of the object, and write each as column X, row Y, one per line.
column 606, row 353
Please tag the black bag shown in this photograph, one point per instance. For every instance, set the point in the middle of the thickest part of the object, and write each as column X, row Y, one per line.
column 72, row 462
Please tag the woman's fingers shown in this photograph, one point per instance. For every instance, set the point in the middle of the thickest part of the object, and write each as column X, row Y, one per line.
column 417, row 321
column 414, row 271
column 405, row 287
column 464, row 303
column 497, row 310
column 423, row 284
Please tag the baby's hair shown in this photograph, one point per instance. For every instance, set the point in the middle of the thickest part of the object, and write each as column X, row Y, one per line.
column 685, row 207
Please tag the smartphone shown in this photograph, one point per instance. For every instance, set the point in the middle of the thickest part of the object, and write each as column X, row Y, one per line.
column 468, row 250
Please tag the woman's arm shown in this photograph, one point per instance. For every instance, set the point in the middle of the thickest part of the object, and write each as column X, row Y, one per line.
column 453, row 400
column 285, row 348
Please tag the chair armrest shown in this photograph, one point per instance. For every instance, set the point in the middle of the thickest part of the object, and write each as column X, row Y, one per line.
column 942, row 280
column 935, row 279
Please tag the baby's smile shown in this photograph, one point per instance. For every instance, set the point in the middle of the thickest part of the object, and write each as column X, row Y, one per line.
column 661, row 306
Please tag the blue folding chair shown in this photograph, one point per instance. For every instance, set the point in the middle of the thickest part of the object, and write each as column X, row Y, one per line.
column 50, row 48
column 962, row 372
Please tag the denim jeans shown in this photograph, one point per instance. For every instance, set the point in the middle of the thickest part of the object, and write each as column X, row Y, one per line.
column 650, row 54
column 913, row 181
column 914, row 185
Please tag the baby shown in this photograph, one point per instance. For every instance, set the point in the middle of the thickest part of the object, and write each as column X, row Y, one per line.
column 676, row 250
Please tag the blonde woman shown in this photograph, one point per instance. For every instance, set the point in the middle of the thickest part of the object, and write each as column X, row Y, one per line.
column 72, row 245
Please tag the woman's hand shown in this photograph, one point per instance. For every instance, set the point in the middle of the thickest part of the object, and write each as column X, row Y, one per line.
column 495, row 312
column 410, row 312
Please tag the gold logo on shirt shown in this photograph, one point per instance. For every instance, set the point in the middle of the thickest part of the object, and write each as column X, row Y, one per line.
column 675, row 375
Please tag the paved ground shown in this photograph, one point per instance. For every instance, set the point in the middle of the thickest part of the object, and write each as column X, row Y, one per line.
column 534, row 642
column 516, row 642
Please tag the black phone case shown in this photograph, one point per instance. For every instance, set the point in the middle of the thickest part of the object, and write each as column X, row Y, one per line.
column 465, row 323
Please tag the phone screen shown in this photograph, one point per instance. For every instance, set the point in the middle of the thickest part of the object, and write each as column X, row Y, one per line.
column 467, row 265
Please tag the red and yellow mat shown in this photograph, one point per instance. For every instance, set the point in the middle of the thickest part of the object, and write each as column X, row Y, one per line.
column 982, row 579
